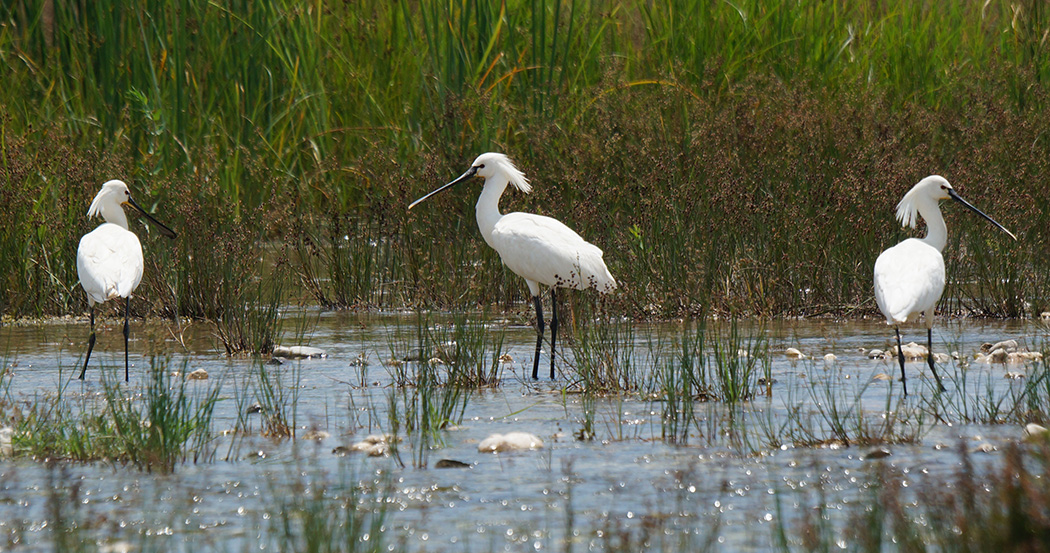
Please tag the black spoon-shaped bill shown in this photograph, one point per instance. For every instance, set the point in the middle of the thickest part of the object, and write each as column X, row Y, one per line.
column 160, row 226
column 955, row 196
column 470, row 173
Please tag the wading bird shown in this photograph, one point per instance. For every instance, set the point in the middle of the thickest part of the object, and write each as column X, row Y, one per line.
column 909, row 277
column 539, row 249
column 109, row 259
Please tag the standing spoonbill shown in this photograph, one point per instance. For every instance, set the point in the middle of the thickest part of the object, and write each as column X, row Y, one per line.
column 109, row 259
column 539, row 249
column 909, row 277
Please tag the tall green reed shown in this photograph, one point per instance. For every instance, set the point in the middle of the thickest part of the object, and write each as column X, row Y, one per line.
column 720, row 168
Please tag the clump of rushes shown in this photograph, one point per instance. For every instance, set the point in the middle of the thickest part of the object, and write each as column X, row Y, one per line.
column 602, row 348
column 445, row 364
column 341, row 516
column 346, row 264
column 734, row 365
column 682, row 382
column 167, row 423
column 276, row 390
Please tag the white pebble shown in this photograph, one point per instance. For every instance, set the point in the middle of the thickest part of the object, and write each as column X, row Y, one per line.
column 510, row 441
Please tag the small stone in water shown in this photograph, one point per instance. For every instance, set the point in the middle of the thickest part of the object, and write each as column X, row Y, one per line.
column 830, row 358
column 374, row 445
column 1034, row 431
column 794, row 353
column 1014, row 376
column 510, row 441
column 882, row 376
column 1019, row 357
column 1008, row 345
column 875, row 354
column 299, row 352
column 317, row 435
column 451, row 464
column 912, row 351
column 199, row 374
column 984, row 447
column 6, row 448
column 879, row 453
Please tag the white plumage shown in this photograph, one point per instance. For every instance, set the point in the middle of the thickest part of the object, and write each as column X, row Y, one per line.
column 909, row 277
column 909, row 280
column 109, row 258
column 109, row 263
column 540, row 249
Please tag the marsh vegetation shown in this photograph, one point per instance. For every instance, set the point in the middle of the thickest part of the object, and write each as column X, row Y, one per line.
column 737, row 161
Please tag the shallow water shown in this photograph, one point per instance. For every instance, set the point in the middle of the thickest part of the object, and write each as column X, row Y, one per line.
column 724, row 483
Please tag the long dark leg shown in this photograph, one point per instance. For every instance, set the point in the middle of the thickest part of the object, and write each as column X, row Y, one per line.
column 554, row 326
column 127, row 305
column 539, row 336
column 900, row 356
column 91, row 344
column 929, row 357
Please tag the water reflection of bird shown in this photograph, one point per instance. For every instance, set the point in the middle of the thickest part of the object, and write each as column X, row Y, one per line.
column 540, row 249
column 109, row 259
column 909, row 277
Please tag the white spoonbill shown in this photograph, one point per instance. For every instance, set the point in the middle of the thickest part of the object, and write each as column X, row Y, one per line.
column 539, row 249
column 909, row 277
column 109, row 259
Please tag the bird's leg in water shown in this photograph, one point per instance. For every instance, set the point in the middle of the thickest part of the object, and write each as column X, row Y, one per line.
column 900, row 356
column 539, row 336
column 91, row 344
column 929, row 357
column 554, row 326
column 127, row 306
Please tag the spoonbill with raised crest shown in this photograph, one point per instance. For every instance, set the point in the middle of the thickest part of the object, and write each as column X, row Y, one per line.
column 539, row 249
column 909, row 277
column 109, row 259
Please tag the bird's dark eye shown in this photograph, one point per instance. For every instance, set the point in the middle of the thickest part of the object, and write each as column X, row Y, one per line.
column 482, row 166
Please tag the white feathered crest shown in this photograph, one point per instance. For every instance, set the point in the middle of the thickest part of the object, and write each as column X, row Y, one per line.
column 908, row 208
column 517, row 178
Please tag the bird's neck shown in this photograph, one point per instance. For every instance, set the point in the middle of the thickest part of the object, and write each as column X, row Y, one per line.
column 936, row 231
column 487, row 208
column 115, row 214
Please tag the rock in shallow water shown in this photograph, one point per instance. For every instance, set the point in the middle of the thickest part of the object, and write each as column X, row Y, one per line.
column 1035, row 432
column 299, row 352
column 451, row 464
column 6, row 448
column 199, row 374
column 511, row 441
column 878, row 453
